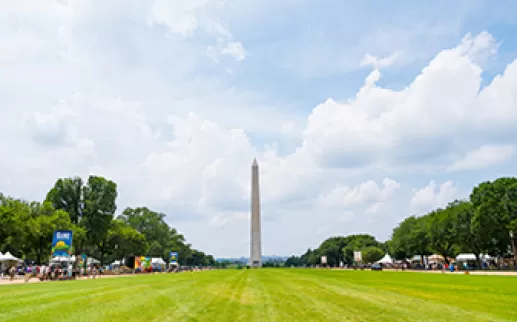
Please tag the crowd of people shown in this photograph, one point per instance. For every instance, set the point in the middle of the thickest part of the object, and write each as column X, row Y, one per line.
column 52, row 272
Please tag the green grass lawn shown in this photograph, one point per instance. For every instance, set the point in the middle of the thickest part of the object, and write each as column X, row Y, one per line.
column 266, row 295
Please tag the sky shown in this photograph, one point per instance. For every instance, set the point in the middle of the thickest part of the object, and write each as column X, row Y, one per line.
column 360, row 113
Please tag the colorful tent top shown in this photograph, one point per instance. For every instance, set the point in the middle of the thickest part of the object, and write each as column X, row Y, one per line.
column 385, row 260
column 142, row 262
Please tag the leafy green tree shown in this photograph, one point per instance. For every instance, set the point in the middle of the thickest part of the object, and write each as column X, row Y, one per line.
column 410, row 238
column 495, row 209
column 161, row 238
column 294, row 261
column 155, row 250
column 152, row 225
column 91, row 208
column 310, row 257
column 441, row 230
column 100, row 196
column 333, row 249
column 14, row 215
column 40, row 229
column 125, row 241
column 493, row 215
column 510, row 204
column 67, row 195
column 358, row 243
column 469, row 233
column 371, row 254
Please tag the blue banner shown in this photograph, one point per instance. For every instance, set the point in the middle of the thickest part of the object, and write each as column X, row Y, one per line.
column 62, row 243
column 173, row 257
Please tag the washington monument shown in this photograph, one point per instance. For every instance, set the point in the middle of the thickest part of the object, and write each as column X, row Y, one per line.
column 256, row 246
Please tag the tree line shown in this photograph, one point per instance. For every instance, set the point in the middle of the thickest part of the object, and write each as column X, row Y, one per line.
column 88, row 209
column 341, row 249
column 484, row 223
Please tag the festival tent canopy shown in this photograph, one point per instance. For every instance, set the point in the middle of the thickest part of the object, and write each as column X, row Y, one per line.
column 157, row 261
column 63, row 259
column 385, row 260
column 7, row 257
column 91, row 260
column 436, row 258
column 72, row 259
column 470, row 257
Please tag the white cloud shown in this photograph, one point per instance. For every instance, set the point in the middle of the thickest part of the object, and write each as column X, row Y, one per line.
column 484, row 157
column 433, row 196
column 234, row 49
column 185, row 17
column 367, row 193
column 443, row 111
column 179, row 16
column 223, row 220
column 128, row 91
column 369, row 60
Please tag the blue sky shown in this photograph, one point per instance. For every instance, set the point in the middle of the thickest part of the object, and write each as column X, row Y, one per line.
column 360, row 113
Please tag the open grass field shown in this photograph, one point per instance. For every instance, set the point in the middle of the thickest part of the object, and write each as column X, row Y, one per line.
column 266, row 295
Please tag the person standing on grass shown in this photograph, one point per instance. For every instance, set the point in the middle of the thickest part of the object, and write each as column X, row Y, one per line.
column 12, row 272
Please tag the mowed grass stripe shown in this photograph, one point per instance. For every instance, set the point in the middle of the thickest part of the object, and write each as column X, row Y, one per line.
column 396, row 304
column 266, row 295
column 307, row 300
column 476, row 294
column 145, row 299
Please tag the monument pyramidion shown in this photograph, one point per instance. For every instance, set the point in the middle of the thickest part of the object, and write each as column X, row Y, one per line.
column 256, row 242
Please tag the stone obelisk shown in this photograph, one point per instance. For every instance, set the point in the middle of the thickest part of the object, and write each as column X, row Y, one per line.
column 256, row 247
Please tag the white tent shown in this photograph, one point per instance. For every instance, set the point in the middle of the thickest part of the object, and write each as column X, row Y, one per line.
column 385, row 260
column 91, row 260
column 157, row 261
column 435, row 258
column 72, row 259
column 60, row 259
column 8, row 257
column 471, row 257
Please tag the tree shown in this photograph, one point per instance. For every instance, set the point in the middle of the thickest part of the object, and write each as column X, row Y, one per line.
column 14, row 214
column 161, row 238
column 410, row 238
column 41, row 226
column 125, row 241
column 494, row 206
column 441, row 230
column 152, row 225
column 67, row 195
column 371, row 254
column 468, row 232
column 310, row 257
column 91, row 208
column 88, row 209
column 358, row 243
column 100, row 195
column 332, row 248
